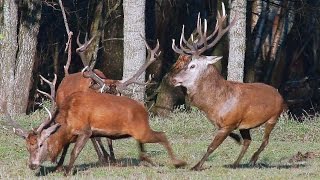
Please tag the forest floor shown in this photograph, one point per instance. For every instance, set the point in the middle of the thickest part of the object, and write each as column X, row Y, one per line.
column 293, row 153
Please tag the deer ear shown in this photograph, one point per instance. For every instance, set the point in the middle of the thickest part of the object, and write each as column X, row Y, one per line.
column 212, row 59
column 47, row 132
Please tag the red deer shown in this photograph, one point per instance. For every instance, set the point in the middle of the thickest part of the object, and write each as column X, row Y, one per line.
column 228, row 105
column 72, row 83
column 87, row 114
column 84, row 115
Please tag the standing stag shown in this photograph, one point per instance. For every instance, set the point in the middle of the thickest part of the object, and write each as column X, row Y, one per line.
column 228, row 105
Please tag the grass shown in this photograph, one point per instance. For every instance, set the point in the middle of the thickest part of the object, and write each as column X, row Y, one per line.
column 190, row 133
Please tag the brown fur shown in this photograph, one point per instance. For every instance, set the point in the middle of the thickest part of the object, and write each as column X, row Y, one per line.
column 181, row 63
column 74, row 83
column 88, row 114
column 233, row 105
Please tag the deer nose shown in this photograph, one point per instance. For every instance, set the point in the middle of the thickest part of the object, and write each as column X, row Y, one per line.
column 33, row 166
column 173, row 81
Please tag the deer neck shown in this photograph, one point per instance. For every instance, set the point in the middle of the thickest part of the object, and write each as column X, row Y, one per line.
column 210, row 88
column 56, row 142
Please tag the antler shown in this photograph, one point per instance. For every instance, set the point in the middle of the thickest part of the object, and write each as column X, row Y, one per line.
column 90, row 74
column 17, row 129
column 153, row 54
column 120, row 85
column 200, row 44
column 51, row 96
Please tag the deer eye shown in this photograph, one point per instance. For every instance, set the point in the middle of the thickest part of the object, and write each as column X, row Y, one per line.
column 192, row 66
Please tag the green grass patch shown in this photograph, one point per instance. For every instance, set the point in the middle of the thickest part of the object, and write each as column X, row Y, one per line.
column 189, row 133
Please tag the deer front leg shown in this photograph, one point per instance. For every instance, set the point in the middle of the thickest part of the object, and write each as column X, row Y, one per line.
column 218, row 139
column 81, row 141
column 63, row 155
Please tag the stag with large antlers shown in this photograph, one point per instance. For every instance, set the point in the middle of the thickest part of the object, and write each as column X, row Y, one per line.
column 228, row 105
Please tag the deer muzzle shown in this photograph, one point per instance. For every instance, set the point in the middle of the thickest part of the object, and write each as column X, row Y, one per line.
column 33, row 166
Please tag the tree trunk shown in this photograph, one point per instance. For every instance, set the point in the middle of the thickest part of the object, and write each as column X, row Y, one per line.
column 96, row 29
column 1, row 16
column 18, row 54
column 167, row 98
column 8, row 52
column 237, row 45
column 134, row 49
column 111, row 62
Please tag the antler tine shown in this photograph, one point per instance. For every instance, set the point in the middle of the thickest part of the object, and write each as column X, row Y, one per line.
column 223, row 9
column 90, row 74
column 219, row 28
column 78, row 41
column 16, row 128
column 176, row 49
column 86, row 38
column 83, row 47
column 53, row 103
column 52, row 87
column 182, row 38
column 191, row 49
column 152, row 56
column 198, row 30
column 96, row 78
column 202, row 38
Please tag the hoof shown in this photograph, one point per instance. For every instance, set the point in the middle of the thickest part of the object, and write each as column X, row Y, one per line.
column 179, row 163
column 58, row 169
column 196, row 168
column 252, row 163
column 234, row 165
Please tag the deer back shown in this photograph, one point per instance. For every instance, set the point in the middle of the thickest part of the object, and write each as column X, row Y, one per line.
column 73, row 83
column 104, row 114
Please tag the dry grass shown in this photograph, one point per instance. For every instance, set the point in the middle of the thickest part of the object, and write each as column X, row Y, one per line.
column 190, row 134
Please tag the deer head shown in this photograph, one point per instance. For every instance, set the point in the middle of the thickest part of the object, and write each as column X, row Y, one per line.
column 188, row 69
column 37, row 146
column 36, row 140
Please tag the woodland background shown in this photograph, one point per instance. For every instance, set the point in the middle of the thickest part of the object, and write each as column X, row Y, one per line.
column 280, row 47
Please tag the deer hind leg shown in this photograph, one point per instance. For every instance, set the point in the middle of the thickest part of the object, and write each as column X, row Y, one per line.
column 143, row 156
column 63, row 155
column 268, row 128
column 221, row 135
column 98, row 147
column 80, row 142
column 112, row 157
column 160, row 137
column 236, row 137
column 245, row 134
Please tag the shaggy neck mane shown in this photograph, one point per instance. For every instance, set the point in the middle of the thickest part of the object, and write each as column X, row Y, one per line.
column 211, row 81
